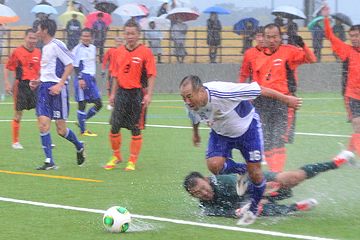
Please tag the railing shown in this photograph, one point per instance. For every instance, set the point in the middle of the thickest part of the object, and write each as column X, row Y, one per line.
column 229, row 51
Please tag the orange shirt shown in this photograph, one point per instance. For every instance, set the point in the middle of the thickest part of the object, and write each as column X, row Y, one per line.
column 351, row 57
column 26, row 64
column 276, row 70
column 132, row 68
column 107, row 58
column 246, row 66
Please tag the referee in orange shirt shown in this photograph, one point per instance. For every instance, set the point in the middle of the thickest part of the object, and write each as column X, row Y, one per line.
column 275, row 68
column 25, row 62
column 134, row 70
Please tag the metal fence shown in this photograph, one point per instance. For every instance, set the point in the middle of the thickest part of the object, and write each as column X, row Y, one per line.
column 229, row 50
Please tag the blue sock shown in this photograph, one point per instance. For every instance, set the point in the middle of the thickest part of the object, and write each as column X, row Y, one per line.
column 70, row 136
column 46, row 143
column 82, row 118
column 256, row 192
column 230, row 166
column 92, row 111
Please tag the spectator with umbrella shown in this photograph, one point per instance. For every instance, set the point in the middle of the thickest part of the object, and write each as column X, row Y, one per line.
column 173, row 4
column 279, row 20
column 153, row 35
column 317, row 36
column 248, row 35
column 339, row 31
column 213, row 35
column 178, row 35
column 100, row 31
column 73, row 29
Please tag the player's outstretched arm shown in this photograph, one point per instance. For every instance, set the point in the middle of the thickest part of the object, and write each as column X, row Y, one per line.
column 291, row 101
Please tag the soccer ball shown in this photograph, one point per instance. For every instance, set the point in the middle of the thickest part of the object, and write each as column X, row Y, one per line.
column 117, row 219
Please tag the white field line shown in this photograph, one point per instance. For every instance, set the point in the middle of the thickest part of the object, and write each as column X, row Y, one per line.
column 187, row 127
column 238, row 229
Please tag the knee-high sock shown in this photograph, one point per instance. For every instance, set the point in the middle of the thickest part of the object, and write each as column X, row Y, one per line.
column 115, row 142
column 135, row 148
column 351, row 146
column 46, row 144
column 256, row 192
column 356, row 142
column 314, row 169
column 230, row 166
column 81, row 118
column 92, row 111
column 71, row 137
column 15, row 129
column 279, row 159
column 269, row 158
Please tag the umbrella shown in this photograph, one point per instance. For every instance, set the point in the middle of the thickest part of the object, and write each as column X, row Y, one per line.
column 240, row 25
column 7, row 15
column 160, row 22
column 312, row 24
column 106, row 7
column 186, row 13
column 343, row 18
column 216, row 9
column 55, row 3
column 42, row 8
column 80, row 7
column 289, row 12
column 92, row 17
column 68, row 15
column 131, row 10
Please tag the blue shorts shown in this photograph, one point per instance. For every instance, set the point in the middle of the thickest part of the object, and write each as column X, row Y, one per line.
column 250, row 144
column 52, row 106
column 90, row 93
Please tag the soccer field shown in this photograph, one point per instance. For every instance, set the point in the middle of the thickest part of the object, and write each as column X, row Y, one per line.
column 68, row 203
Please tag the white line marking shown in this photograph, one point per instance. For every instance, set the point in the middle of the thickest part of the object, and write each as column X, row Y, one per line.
column 238, row 229
column 187, row 127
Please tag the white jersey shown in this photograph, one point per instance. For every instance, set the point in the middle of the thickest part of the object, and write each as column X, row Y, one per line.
column 55, row 56
column 228, row 111
column 85, row 58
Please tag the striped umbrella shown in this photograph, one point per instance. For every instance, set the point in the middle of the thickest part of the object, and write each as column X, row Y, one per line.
column 7, row 15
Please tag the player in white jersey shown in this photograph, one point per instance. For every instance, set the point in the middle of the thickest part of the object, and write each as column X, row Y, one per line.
column 226, row 108
column 53, row 99
column 86, row 90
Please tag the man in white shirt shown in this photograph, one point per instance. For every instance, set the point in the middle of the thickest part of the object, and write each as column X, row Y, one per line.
column 53, row 98
column 235, row 124
column 86, row 90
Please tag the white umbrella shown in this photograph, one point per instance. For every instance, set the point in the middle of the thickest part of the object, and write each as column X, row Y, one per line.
column 54, row 3
column 131, row 10
column 42, row 8
column 289, row 12
column 7, row 15
column 160, row 22
column 187, row 14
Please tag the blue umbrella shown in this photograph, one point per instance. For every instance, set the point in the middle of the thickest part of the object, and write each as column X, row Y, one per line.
column 44, row 9
column 216, row 9
column 240, row 25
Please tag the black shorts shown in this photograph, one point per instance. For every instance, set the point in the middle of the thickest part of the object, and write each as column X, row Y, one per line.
column 24, row 97
column 353, row 107
column 274, row 118
column 128, row 110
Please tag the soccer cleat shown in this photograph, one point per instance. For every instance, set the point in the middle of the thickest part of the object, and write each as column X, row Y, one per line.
column 343, row 157
column 130, row 166
column 241, row 211
column 48, row 166
column 88, row 133
column 307, row 204
column 112, row 163
column 17, row 145
column 271, row 189
column 53, row 146
column 109, row 107
column 81, row 154
column 248, row 218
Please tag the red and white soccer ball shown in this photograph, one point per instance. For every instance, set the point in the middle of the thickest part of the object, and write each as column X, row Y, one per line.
column 117, row 219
